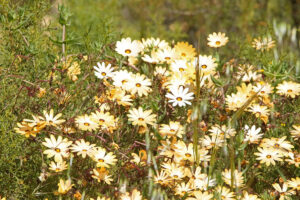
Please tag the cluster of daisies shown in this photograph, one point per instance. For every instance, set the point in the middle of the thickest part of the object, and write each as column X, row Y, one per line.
column 181, row 166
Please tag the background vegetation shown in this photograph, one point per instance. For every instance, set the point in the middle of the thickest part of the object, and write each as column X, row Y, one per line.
column 31, row 42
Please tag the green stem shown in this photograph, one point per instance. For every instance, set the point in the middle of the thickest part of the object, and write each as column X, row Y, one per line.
column 232, row 163
column 281, row 174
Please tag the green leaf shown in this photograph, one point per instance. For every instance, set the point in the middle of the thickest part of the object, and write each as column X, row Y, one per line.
column 216, row 81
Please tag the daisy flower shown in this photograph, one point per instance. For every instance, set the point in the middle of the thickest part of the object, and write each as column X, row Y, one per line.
column 294, row 183
column 202, row 181
column 171, row 129
column 103, row 158
column 85, row 123
column 207, row 64
column 288, row 89
column 152, row 58
column 161, row 178
column 180, row 96
column 252, row 134
column 100, row 198
column 179, row 65
column 82, row 148
column 126, row 47
column 58, row 166
column 225, row 193
column 161, row 71
column 198, row 195
column 259, row 111
column 293, row 159
column 238, row 178
column 104, row 119
column 182, row 189
column 250, row 75
column 279, row 144
column 296, row 132
column 140, row 84
column 166, row 55
column 235, row 101
column 73, row 71
column 101, row 174
column 176, row 173
column 135, row 195
column 140, row 159
column 26, row 129
column 283, row 191
column 124, row 100
column 265, row 43
column 222, row 131
column 64, row 186
column 184, row 152
column 141, row 118
column 185, row 50
column 217, row 40
column 264, row 89
column 57, row 148
column 37, row 123
column 247, row 196
column 52, row 120
column 121, row 78
column 154, row 43
column 268, row 156
column 103, row 71
column 212, row 142
column 175, row 81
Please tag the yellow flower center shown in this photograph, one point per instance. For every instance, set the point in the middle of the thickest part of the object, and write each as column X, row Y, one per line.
column 179, row 99
column 138, row 85
column 181, row 69
column 141, row 119
column 289, row 90
column 269, row 156
column 100, row 160
column 176, row 176
column 128, row 51
column 124, row 81
column 183, row 54
column 84, row 150
column 262, row 92
column 188, row 155
column 57, row 169
column 203, row 66
column 101, row 120
column 276, row 145
column 57, row 150
column 172, row 130
column 167, row 58
column 103, row 74
column 160, row 181
column 218, row 42
column 86, row 124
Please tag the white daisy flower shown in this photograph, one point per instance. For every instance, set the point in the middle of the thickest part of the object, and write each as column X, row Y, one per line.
column 126, row 47
column 103, row 71
column 180, row 96
column 252, row 134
